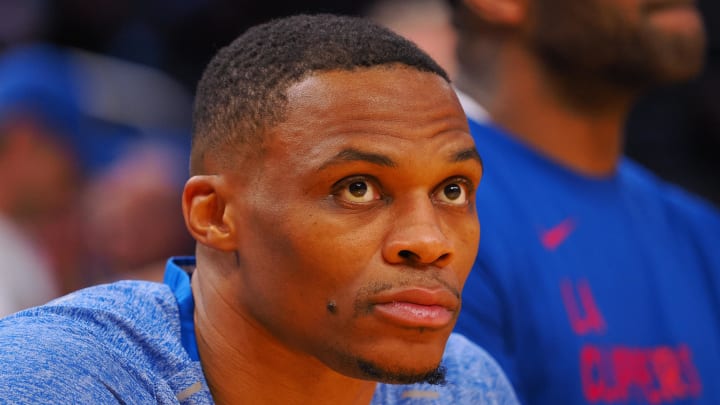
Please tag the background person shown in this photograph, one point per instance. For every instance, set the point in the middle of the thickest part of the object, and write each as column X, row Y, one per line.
column 132, row 220
column 36, row 194
column 40, row 179
column 595, row 281
column 67, row 118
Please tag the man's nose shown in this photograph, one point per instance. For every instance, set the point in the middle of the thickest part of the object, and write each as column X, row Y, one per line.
column 416, row 236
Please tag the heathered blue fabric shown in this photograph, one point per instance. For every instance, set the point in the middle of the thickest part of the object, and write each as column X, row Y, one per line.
column 123, row 343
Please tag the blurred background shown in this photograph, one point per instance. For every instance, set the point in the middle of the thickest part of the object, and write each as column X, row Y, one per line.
column 95, row 101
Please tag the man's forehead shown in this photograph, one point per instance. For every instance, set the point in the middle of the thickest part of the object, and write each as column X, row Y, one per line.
column 368, row 105
column 392, row 88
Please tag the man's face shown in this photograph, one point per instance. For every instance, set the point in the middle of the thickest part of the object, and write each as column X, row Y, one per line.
column 634, row 43
column 360, row 225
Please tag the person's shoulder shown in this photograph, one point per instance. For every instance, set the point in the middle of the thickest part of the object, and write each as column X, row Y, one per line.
column 486, row 134
column 681, row 205
column 472, row 377
column 127, row 299
column 125, row 316
column 95, row 344
column 468, row 365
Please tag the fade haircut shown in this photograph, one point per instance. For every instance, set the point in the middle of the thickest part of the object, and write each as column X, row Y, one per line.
column 243, row 89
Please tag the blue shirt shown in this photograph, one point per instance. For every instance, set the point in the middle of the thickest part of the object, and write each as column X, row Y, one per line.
column 133, row 342
column 593, row 290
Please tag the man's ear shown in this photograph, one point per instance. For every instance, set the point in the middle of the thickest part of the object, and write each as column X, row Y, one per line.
column 500, row 12
column 207, row 215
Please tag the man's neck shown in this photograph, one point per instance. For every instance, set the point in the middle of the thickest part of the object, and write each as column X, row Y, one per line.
column 243, row 363
column 579, row 128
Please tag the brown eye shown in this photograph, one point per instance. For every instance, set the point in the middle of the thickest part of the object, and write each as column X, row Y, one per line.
column 359, row 191
column 455, row 193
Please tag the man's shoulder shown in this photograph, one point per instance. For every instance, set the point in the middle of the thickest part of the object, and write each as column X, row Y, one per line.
column 104, row 308
column 119, row 335
column 472, row 377
column 127, row 298
column 465, row 361
column 124, row 315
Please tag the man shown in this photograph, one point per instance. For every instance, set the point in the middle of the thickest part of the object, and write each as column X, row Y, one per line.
column 595, row 282
column 40, row 181
column 332, row 198
column 37, row 187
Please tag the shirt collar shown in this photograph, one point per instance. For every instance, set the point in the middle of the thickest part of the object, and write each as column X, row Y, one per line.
column 177, row 276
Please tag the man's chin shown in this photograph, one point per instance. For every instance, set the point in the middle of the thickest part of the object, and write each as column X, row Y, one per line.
column 434, row 375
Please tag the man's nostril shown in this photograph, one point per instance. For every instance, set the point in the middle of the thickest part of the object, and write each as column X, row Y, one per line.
column 406, row 254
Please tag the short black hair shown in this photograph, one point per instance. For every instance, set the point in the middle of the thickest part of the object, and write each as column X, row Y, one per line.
column 243, row 89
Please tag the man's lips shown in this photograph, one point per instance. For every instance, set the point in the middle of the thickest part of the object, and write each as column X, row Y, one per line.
column 417, row 307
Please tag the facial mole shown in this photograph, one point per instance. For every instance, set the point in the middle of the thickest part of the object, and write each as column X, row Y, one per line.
column 331, row 307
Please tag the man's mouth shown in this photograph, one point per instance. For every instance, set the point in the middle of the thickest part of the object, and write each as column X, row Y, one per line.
column 417, row 307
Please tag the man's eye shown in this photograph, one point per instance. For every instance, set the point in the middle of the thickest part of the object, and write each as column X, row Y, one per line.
column 455, row 193
column 359, row 191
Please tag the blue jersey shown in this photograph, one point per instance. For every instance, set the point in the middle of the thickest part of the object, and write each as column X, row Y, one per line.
column 593, row 290
column 133, row 342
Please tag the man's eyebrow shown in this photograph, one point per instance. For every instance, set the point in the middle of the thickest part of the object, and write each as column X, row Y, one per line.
column 354, row 155
column 467, row 154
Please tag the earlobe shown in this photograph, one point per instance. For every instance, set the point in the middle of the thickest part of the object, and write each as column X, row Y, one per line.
column 500, row 12
column 207, row 215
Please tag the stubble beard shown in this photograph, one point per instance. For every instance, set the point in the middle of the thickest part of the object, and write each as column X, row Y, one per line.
column 435, row 376
column 588, row 41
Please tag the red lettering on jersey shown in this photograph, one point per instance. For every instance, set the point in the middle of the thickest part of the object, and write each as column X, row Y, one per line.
column 689, row 370
column 666, row 366
column 584, row 315
column 591, row 373
column 633, row 377
column 622, row 374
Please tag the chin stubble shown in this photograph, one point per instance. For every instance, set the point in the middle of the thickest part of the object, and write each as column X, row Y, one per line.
column 370, row 370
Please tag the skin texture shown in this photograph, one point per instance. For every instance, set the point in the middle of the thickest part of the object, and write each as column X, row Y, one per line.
column 562, row 75
column 364, row 191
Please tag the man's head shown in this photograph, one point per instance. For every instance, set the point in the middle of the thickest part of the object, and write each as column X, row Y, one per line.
column 333, row 196
column 628, row 43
